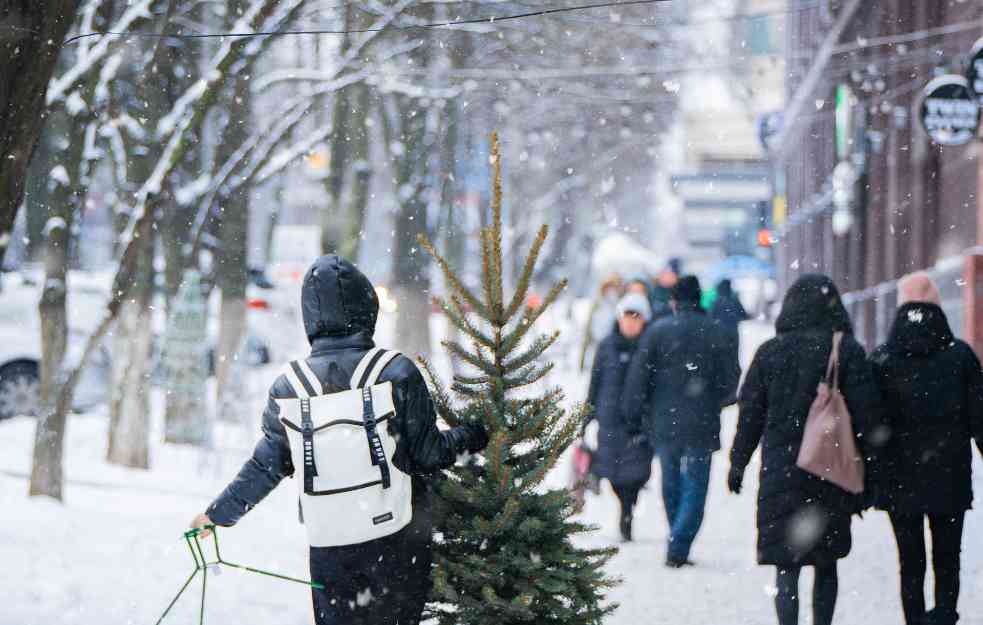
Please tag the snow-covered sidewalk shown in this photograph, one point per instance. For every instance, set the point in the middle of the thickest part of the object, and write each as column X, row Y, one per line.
column 113, row 552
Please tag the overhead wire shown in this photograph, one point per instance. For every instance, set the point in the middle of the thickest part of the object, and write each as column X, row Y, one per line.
column 429, row 25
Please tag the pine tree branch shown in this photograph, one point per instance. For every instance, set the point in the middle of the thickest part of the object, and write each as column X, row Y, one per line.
column 525, row 278
column 459, row 289
column 476, row 360
column 529, row 375
column 459, row 317
column 441, row 400
column 496, row 230
column 536, row 350
column 525, row 324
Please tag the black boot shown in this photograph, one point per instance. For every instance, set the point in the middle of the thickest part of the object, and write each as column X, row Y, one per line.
column 625, row 527
column 941, row 617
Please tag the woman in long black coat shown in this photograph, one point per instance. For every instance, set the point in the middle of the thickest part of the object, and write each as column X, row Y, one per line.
column 802, row 520
column 932, row 387
column 625, row 460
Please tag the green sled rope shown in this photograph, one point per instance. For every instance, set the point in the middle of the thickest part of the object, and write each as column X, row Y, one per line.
column 202, row 564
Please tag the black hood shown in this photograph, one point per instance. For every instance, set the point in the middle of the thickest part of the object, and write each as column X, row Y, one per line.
column 337, row 299
column 813, row 303
column 919, row 328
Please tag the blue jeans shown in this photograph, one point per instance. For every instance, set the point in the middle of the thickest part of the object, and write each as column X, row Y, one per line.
column 685, row 481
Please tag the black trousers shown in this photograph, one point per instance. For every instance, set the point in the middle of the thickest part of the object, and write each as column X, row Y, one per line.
column 381, row 582
column 824, row 591
column 628, row 496
column 947, row 532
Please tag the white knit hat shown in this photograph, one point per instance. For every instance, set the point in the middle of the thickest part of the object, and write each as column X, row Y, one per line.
column 636, row 303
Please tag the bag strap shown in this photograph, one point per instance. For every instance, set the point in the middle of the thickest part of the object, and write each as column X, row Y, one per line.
column 372, row 376
column 307, row 431
column 377, row 452
column 833, row 368
column 363, row 365
column 293, row 375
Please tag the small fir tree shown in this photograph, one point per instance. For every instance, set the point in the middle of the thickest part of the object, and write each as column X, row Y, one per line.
column 505, row 554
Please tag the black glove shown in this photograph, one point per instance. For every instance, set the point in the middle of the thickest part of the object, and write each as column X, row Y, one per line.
column 735, row 480
column 475, row 438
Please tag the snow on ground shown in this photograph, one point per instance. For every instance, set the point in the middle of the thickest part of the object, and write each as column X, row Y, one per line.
column 112, row 553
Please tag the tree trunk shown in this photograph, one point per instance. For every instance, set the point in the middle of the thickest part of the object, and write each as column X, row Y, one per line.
column 231, row 275
column 361, row 179
column 31, row 35
column 129, row 438
column 49, row 437
column 129, row 431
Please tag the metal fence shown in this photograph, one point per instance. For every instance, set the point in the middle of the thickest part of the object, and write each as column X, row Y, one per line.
column 872, row 310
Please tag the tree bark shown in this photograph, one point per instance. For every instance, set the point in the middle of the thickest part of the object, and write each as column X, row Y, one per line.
column 231, row 275
column 129, row 432
column 49, row 436
column 339, row 156
column 361, row 178
column 31, row 37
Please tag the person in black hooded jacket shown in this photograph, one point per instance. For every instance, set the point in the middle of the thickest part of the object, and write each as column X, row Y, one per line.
column 932, row 387
column 340, row 308
column 802, row 520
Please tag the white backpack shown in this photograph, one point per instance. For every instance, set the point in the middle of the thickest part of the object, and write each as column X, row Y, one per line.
column 350, row 491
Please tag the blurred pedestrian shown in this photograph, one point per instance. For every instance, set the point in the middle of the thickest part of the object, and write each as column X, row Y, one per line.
column 678, row 380
column 728, row 311
column 932, row 388
column 624, row 461
column 802, row 519
column 602, row 316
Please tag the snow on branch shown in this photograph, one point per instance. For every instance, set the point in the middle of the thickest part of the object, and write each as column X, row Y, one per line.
column 59, row 87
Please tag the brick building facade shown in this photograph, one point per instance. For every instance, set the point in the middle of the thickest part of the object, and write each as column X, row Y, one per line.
column 856, row 71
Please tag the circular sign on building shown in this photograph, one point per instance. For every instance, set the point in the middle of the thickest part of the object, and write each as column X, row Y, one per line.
column 949, row 111
column 974, row 73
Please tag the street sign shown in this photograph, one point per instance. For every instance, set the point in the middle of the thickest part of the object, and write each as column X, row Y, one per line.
column 949, row 111
column 974, row 73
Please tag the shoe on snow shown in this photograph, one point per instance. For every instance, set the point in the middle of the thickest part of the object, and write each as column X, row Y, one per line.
column 673, row 563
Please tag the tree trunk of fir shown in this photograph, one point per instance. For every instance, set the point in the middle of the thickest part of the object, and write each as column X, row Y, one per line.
column 49, row 437
column 31, row 36
column 129, row 431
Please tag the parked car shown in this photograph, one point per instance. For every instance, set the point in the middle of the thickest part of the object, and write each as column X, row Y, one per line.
column 20, row 343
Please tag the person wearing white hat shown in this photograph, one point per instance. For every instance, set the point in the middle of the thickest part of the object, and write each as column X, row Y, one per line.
column 622, row 459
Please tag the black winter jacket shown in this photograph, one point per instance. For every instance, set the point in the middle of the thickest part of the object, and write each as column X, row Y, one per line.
column 616, row 457
column 340, row 308
column 679, row 378
column 932, row 388
column 801, row 519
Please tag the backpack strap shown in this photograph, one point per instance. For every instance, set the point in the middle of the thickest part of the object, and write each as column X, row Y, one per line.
column 306, row 373
column 366, row 375
column 364, row 365
column 376, row 451
column 373, row 375
column 307, row 432
column 294, row 378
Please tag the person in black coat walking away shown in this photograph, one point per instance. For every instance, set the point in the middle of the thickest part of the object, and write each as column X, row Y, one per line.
column 728, row 311
column 932, row 387
column 802, row 520
column 340, row 308
column 625, row 461
column 679, row 378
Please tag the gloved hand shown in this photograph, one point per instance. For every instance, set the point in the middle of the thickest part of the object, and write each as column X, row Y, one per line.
column 735, row 480
column 477, row 437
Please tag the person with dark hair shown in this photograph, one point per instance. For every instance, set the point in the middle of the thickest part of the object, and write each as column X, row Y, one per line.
column 679, row 378
column 625, row 463
column 365, row 506
column 802, row 519
column 932, row 387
